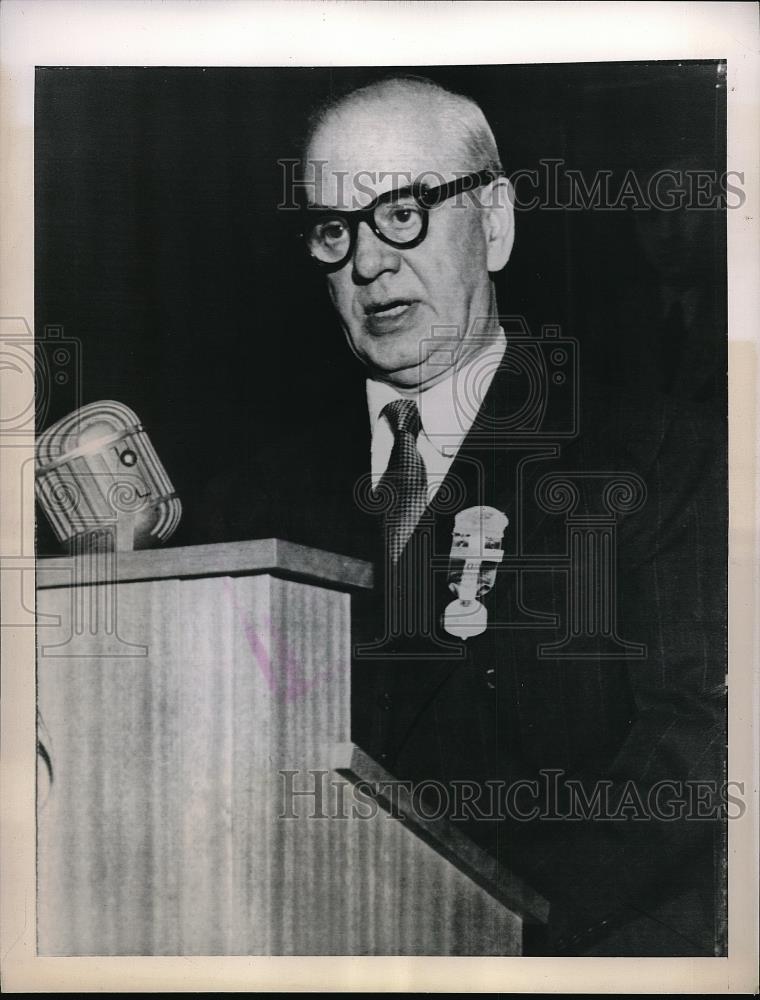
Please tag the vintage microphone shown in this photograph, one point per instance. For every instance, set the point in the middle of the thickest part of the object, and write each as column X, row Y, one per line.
column 101, row 483
column 476, row 551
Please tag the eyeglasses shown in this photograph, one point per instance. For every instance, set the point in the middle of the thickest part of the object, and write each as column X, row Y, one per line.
column 398, row 218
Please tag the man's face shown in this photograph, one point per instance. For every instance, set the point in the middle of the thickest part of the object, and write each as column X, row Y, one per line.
column 391, row 300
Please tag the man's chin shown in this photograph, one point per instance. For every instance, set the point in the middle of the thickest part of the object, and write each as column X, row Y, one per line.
column 392, row 360
column 405, row 373
column 417, row 365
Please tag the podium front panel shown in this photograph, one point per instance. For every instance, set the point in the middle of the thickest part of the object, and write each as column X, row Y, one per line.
column 183, row 717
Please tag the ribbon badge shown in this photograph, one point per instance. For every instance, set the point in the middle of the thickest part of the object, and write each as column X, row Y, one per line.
column 475, row 554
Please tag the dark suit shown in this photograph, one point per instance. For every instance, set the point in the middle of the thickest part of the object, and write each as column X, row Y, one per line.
column 492, row 708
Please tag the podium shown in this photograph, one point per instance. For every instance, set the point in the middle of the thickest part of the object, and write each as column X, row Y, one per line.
column 203, row 796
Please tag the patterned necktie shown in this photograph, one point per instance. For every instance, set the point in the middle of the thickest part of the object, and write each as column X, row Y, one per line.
column 405, row 479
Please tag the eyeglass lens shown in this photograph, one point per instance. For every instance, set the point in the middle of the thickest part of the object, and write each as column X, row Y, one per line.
column 400, row 221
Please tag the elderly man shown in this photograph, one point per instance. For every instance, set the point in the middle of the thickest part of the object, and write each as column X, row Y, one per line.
column 402, row 274
column 587, row 687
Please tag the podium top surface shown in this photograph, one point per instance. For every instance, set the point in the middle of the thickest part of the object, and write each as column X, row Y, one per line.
column 266, row 555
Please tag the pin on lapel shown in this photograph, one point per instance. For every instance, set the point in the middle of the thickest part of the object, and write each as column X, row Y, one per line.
column 475, row 554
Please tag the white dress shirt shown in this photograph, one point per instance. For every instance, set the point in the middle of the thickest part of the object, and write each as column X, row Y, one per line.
column 447, row 412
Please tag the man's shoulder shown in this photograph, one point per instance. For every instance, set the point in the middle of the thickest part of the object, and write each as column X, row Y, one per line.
column 677, row 449
column 647, row 428
column 595, row 422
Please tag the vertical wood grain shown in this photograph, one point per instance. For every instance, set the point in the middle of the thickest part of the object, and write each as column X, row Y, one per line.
column 160, row 834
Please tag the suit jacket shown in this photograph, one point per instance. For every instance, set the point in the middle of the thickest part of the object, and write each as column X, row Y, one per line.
column 513, row 705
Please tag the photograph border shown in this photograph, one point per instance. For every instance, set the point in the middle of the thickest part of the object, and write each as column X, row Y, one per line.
column 230, row 32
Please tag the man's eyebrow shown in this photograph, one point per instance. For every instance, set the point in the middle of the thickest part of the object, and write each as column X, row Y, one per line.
column 401, row 191
column 388, row 195
column 318, row 209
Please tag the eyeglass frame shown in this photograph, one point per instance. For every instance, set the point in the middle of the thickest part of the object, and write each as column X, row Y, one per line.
column 425, row 196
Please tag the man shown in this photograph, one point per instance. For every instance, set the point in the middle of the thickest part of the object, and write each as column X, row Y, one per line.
column 409, row 218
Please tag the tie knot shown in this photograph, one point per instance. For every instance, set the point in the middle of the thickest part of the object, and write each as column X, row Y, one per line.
column 403, row 416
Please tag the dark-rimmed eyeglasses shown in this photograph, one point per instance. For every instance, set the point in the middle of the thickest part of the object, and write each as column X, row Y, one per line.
column 398, row 218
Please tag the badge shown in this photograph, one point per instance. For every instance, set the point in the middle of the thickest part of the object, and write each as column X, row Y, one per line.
column 475, row 554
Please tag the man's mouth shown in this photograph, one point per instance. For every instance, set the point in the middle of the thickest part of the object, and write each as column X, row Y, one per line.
column 389, row 309
column 390, row 317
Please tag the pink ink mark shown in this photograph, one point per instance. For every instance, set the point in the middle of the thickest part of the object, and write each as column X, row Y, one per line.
column 291, row 686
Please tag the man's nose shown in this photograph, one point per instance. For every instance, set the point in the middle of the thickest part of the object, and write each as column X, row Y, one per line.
column 372, row 257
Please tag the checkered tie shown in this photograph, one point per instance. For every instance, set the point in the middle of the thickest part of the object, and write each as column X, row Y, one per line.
column 405, row 479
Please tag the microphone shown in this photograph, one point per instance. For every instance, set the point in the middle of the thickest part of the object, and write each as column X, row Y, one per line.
column 476, row 551
column 100, row 482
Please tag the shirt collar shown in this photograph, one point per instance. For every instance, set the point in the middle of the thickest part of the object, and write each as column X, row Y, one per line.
column 448, row 408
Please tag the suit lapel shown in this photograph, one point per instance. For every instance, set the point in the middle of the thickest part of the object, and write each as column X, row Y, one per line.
column 496, row 466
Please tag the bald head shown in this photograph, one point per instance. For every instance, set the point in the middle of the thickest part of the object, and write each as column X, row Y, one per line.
column 404, row 125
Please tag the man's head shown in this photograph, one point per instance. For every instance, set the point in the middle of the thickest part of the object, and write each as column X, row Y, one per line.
column 394, row 302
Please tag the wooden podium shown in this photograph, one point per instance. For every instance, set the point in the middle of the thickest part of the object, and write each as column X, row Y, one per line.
column 186, row 697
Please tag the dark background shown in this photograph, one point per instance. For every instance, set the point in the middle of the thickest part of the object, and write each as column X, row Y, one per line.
column 161, row 251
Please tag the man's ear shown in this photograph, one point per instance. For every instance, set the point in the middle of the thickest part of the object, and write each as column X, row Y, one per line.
column 499, row 223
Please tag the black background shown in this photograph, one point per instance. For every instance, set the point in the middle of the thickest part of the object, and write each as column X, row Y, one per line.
column 160, row 248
